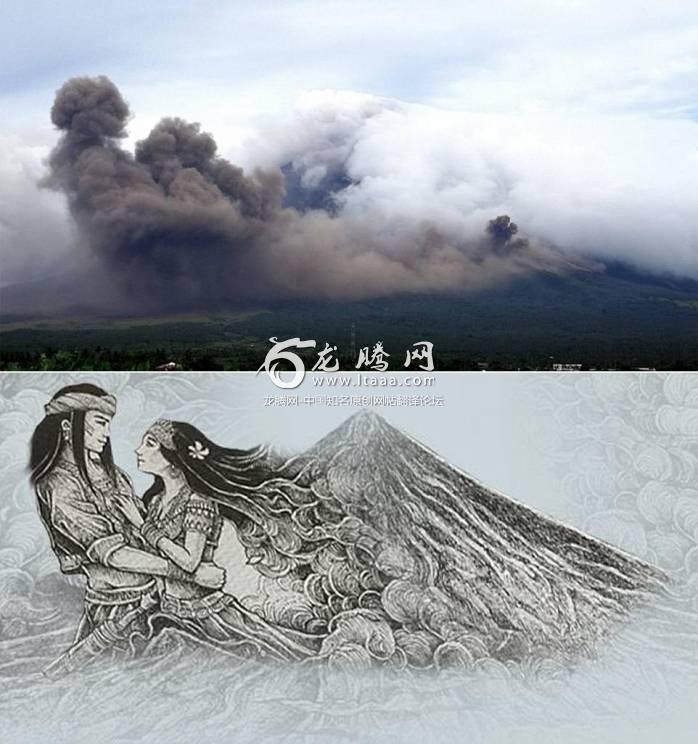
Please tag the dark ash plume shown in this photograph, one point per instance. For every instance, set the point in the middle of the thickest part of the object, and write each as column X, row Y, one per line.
column 177, row 225
column 174, row 218
column 502, row 232
column 502, row 229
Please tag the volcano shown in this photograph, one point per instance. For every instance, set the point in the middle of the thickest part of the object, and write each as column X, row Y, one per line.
column 399, row 556
column 615, row 319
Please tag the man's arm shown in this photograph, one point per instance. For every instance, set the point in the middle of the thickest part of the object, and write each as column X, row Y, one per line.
column 125, row 558
column 76, row 517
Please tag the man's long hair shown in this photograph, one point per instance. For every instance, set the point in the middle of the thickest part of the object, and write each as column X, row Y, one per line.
column 47, row 440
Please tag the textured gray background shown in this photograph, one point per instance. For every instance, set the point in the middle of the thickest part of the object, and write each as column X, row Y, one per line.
column 612, row 454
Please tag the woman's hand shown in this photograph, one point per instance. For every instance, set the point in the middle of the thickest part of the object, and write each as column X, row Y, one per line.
column 128, row 508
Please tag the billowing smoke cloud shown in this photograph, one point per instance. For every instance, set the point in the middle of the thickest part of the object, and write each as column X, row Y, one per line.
column 173, row 217
column 616, row 188
column 174, row 223
column 349, row 196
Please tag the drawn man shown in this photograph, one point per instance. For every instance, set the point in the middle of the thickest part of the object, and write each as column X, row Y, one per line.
column 80, row 495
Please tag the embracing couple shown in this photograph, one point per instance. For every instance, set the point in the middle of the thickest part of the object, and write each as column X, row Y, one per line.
column 148, row 561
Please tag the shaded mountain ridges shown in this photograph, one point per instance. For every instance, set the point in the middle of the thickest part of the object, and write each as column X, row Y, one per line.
column 401, row 558
column 369, row 458
column 599, row 320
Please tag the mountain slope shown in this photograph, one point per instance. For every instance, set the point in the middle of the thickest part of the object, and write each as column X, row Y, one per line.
column 401, row 557
column 615, row 319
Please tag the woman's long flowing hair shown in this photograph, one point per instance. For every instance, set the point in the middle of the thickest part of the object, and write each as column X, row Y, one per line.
column 221, row 473
column 261, row 492
column 47, row 441
column 293, row 534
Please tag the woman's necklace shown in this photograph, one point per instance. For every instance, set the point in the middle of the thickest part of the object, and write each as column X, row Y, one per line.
column 169, row 503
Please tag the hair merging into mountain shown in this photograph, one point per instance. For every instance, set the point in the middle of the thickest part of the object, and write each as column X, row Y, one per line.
column 397, row 557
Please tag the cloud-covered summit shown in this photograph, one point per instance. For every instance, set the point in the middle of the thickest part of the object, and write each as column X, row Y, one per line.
column 346, row 196
column 607, row 186
column 175, row 223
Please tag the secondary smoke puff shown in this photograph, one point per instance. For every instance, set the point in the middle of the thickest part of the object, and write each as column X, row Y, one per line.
column 177, row 223
column 501, row 229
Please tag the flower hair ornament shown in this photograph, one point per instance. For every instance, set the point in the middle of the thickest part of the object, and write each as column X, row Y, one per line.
column 198, row 451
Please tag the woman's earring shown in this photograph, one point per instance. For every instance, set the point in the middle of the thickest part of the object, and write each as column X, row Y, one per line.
column 173, row 471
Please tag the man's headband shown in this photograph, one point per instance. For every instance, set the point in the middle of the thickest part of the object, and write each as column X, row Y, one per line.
column 69, row 402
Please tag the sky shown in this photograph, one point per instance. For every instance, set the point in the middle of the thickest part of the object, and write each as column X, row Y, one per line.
column 577, row 117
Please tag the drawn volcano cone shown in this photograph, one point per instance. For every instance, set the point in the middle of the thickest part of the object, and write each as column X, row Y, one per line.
column 455, row 570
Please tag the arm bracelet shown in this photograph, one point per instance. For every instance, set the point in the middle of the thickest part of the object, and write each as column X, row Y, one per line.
column 177, row 573
column 152, row 534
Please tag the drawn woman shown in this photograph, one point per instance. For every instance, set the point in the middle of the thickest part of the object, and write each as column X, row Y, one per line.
column 182, row 522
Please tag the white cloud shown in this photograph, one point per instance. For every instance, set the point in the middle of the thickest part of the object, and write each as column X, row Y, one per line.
column 35, row 230
column 577, row 117
column 607, row 186
column 652, row 71
column 610, row 187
